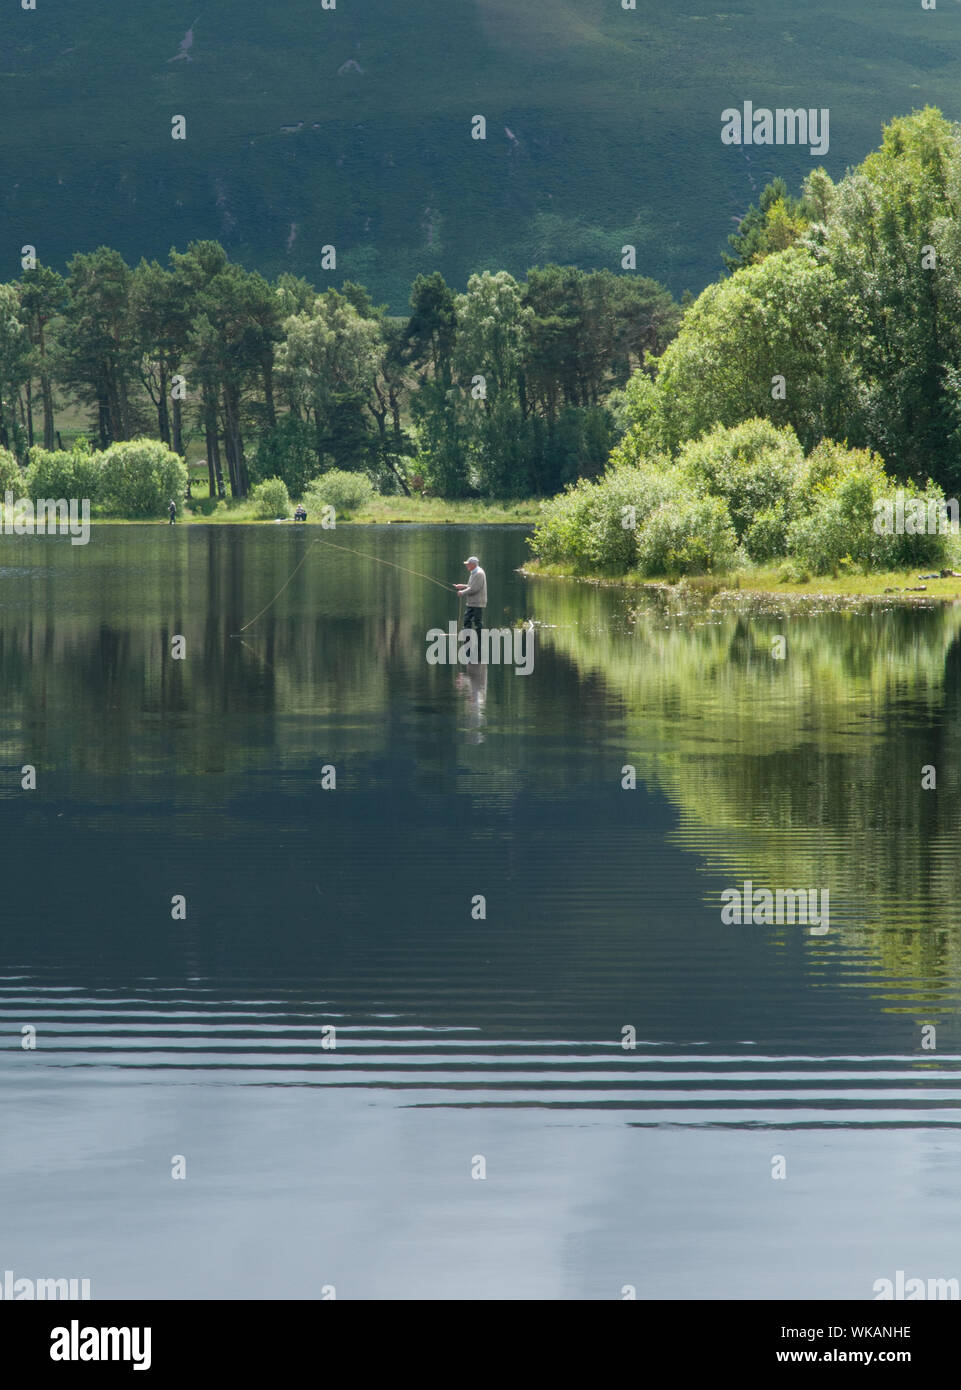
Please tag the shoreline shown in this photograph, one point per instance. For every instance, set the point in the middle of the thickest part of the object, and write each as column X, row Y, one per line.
column 305, row 525
column 899, row 587
column 432, row 512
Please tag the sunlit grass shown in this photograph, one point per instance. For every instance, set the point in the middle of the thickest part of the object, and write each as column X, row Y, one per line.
column 771, row 580
column 381, row 511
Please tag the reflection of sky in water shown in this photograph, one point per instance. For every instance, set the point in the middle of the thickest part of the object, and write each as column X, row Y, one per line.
column 458, row 1037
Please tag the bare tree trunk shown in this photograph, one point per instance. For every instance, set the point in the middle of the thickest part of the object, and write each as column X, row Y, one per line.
column 229, row 451
column 319, row 440
column 399, row 476
column 124, row 406
column 214, row 475
column 46, row 392
column 398, row 438
column 269, row 394
column 234, row 441
column 114, row 413
column 163, row 412
column 178, row 426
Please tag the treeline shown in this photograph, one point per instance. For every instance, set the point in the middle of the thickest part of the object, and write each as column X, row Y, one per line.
column 801, row 390
column 500, row 391
column 739, row 497
column 841, row 317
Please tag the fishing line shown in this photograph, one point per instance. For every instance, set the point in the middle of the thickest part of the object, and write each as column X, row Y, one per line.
column 260, row 658
column 365, row 554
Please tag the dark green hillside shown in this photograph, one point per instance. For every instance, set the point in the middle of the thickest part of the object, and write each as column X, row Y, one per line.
column 614, row 120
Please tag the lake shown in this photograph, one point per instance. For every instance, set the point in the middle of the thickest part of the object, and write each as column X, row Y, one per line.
column 229, row 855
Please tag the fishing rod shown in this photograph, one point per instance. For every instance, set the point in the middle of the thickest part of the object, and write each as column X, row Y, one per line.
column 322, row 540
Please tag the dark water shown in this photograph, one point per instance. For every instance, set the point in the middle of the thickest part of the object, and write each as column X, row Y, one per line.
column 460, row 1039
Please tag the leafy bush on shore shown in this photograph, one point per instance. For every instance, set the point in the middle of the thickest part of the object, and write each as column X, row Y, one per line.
column 62, row 473
column 742, row 494
column 561, row 533
column 843, row 522
column 693, row 535
column 140, row 476
column 757, row 469
column 10, row 476
column 643, row 518
column 625, row 502
column 270, row 498
column 345, row 492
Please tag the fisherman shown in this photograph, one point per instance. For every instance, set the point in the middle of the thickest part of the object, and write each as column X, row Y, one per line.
column 475, row 592
column 172, row 511
column 300, row 512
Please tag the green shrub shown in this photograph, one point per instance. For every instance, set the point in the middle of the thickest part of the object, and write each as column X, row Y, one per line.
column 624, row 496
column 933, row 548
column 11, row 479
column 766, row 537
column 793, row 572
column 270, row 498
column 59, row 473
column 596, row 525
column 841, row 523
column 755, row 467
column 140, row 476
column 826, row 467
column 823, row 538
column 345, row 492
column 833, row 524
column 561, row 531
column 690, row 535
column 736, row 495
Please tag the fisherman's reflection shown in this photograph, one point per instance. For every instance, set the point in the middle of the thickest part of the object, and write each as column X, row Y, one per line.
column 473, row 682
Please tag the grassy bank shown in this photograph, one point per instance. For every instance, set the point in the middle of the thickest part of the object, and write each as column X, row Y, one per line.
column 382, row 510
column 906, row 584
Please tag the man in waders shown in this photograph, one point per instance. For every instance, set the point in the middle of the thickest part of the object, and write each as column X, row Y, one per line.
column 475, row 592
column 172, row 511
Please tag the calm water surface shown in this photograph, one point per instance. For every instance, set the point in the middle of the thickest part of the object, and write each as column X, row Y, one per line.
column 459, row 1039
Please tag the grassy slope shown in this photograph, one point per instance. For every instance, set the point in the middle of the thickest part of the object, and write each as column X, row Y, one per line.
column 616, row 116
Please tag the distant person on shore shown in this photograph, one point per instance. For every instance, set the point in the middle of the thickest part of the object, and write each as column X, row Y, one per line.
column 172, row 511
column 300, row 512
column 475, row 592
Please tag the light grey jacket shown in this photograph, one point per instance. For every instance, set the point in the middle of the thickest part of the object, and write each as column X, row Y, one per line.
column 475, row 595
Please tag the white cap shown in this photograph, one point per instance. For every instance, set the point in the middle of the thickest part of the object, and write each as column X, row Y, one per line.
column 472, row 560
